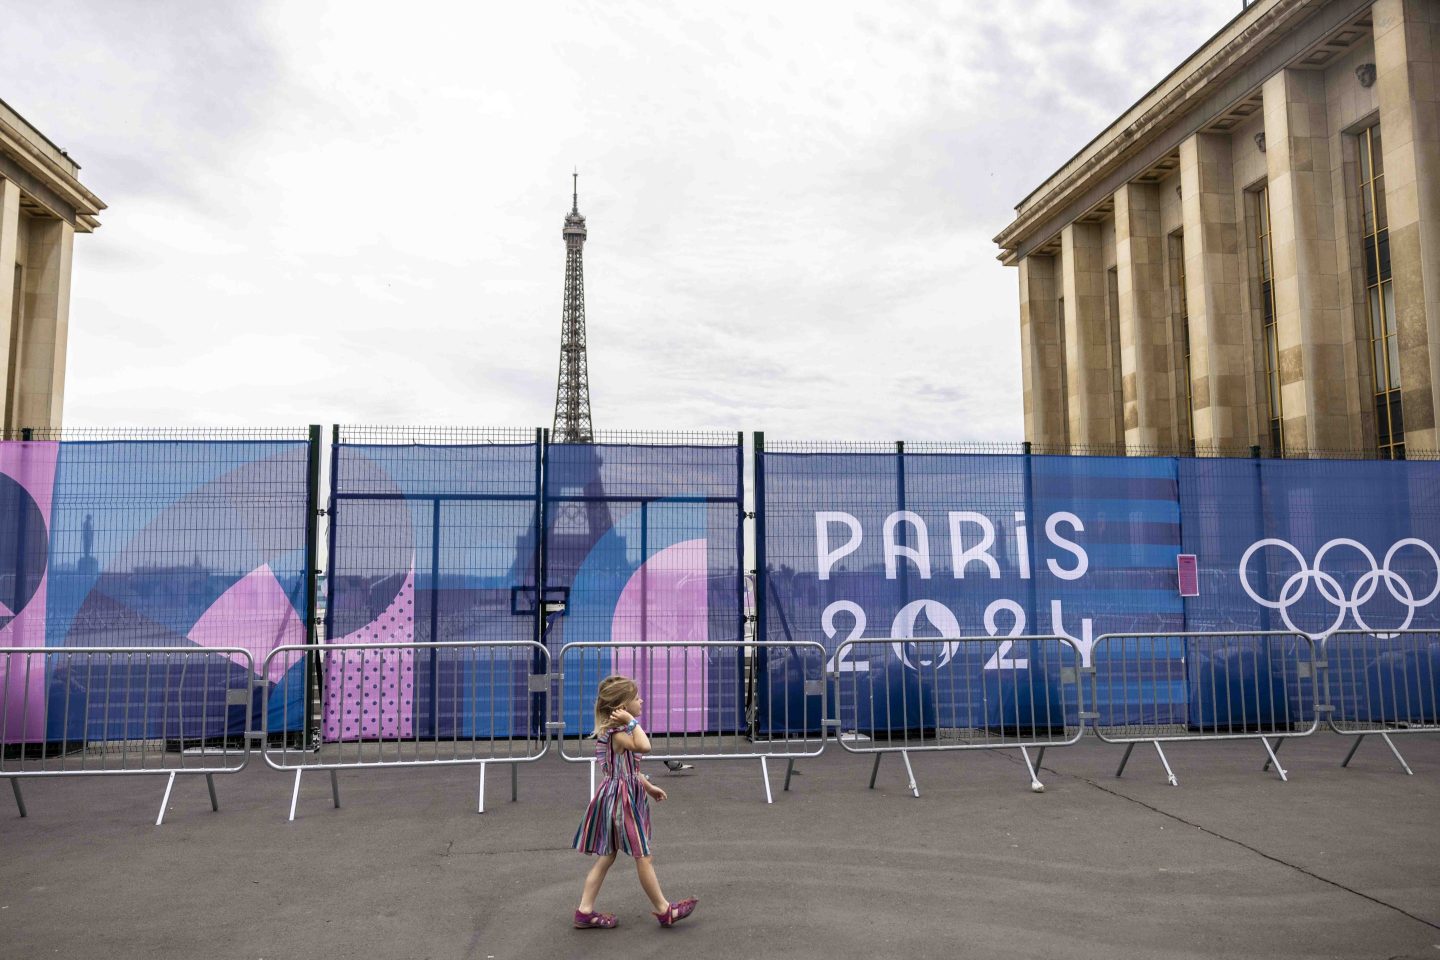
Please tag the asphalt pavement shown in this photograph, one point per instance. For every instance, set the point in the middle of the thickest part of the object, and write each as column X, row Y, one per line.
column 1231, row 863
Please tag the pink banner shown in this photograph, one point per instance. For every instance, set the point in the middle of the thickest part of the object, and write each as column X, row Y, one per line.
column 667, row 599
column 31, row 466
column 370, row 693
column 254, row 609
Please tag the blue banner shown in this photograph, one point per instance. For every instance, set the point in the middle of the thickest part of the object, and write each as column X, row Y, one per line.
column 909, row 546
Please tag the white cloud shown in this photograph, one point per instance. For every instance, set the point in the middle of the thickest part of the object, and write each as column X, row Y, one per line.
column 339, row 212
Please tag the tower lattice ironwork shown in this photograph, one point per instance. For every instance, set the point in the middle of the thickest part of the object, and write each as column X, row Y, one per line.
column 572, row 395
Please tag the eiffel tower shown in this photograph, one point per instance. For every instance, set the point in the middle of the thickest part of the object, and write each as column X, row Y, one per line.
column 576, row 525
column 572, row 395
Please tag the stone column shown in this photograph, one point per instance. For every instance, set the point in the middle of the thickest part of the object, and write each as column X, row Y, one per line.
column 1220, row 337
column 1407, row 78
column 1092, row 403
column 1145, row 338
column 1313, row 380
column 1040, row 353
column 9, row 251
column 47, row 323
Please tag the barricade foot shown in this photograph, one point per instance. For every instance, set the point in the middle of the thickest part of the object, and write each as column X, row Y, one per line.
column 1169, row 774
column 1039, row 758
column 19, row 799
column 1278, row 742
column 765, row 775
column 480, row 808
column 1275, row 760
column 910, row 772
column 1356, row 746
column 335, row 788
column 514, row 782
column 295, row 794
column 1353, row 747
column 1391, row 744
column 214, row 800
column 165, row 800
column 1035, row 784
column 789, row 772
column 1129, row 748
column 875, row 769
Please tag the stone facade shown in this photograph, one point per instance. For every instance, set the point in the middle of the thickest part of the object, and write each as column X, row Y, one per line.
column 1203, row 274
column 42, row 206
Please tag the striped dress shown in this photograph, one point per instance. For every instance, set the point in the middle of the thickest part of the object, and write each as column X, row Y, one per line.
column 618, row 818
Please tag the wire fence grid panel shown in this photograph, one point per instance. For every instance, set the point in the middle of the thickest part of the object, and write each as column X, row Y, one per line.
column 643, row 545
column 674, row 679
column 1312, row 546
column 183, row 539
column 888, row 543
column 1383, row 682
column 373, row 718
column 434, row 540
column 943, row 695
column 116, row 710
column 1204, row 686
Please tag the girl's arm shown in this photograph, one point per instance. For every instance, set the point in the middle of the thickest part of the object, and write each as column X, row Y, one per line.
column 636, row 741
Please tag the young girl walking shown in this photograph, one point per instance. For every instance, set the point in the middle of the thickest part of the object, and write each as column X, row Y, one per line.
column 618, row 818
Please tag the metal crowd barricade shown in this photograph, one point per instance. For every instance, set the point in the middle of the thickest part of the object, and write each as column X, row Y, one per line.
column 108, row 711
column 387, row 705
column 1171, row 687
column 695, row 704
column 964, row 693
column 1381, row 683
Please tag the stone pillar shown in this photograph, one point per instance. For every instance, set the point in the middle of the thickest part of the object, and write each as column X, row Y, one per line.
column 9, row 251
column 1040, row 353
column 1313, row 380
column 1220, row 337
column 1145, row 338
column 1407, row 78
column 47, row 323
column 1092, row 401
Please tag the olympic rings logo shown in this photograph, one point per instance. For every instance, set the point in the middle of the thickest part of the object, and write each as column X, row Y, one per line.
column 1329, row 588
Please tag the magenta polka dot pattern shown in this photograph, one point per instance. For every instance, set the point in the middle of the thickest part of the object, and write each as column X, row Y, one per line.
column 370, row 694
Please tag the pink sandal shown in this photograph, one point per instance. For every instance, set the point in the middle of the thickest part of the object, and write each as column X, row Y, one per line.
column 604, row 921
column 676, row 912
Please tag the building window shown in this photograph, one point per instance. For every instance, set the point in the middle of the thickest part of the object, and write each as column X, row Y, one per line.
column 1182, row 323
column 1274, row 410
column 1380, row 301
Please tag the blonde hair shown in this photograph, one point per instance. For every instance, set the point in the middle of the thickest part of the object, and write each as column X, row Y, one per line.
column 615, row 691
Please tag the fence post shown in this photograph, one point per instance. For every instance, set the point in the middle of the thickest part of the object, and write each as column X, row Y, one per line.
column 312, row 570
column 538, row 703
column 758, row 467
column 1266, row 622
column 1031, row 547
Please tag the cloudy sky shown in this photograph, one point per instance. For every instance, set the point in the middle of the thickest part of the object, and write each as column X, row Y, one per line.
column 350, row 212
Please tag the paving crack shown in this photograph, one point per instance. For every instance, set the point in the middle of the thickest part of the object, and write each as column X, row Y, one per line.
column 1239, row 843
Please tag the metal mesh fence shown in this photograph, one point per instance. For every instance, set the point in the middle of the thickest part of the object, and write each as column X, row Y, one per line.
column 155, row 539
column 643, row 545
column 434, row 538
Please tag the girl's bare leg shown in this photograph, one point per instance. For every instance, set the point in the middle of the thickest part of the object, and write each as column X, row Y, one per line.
column 593, row 879
column 645, row 867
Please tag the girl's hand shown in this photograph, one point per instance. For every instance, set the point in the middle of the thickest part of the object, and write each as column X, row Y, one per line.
column 621, row 716
column 657, row 793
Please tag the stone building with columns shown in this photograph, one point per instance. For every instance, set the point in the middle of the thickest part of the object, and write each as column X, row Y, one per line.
column 42, row 206
column 1250, row 255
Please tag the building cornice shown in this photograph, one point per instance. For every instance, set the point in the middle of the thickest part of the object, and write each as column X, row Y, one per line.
column 1241, row 40
column 45, row 173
